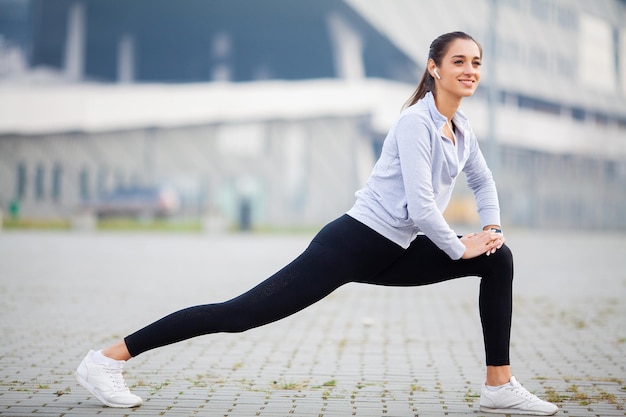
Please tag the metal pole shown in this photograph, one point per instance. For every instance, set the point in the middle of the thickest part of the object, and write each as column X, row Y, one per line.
column 492, row 145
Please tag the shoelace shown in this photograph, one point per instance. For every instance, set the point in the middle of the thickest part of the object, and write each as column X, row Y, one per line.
column 520, row 390
column 119, row 385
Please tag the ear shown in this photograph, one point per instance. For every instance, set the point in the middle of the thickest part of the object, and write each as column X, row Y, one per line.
column 431, row 67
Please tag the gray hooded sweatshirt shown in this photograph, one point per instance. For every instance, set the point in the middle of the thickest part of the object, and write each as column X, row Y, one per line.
column 411, row 184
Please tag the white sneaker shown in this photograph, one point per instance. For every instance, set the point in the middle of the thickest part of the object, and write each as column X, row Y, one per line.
column 106, row 382
column 513, row 398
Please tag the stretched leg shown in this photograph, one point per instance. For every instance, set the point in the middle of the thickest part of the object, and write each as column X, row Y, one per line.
column 307, row 279
column 342, row 251
column 310, row 277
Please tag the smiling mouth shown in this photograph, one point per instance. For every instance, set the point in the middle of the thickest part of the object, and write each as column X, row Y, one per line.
column 467, row 82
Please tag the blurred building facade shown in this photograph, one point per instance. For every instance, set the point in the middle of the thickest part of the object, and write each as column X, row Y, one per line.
column 283, row 105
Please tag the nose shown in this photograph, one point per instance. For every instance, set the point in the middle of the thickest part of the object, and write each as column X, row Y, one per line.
column 469, row 69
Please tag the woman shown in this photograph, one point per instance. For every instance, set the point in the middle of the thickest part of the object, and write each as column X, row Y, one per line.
column 394, row 234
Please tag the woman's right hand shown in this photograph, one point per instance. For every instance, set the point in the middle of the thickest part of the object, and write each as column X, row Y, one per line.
column 485, row 242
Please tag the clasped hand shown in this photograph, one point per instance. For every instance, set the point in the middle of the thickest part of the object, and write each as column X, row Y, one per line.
column 486, row 242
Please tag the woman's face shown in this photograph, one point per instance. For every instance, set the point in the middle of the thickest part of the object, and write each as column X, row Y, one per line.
column 460, row 69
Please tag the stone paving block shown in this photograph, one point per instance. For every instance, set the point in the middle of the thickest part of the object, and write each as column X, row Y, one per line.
column 18, row 412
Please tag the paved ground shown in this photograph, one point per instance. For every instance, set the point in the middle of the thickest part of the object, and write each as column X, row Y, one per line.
column 363, row 351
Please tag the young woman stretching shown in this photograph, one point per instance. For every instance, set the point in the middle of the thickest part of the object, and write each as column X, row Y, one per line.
column 394, row 234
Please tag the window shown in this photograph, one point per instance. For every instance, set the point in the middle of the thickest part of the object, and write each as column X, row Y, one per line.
column 83, row 183
column 565, row 66
column 566, row 18
column 20, row 181
column 515, row 4
column 525, row 102
column 540, row 9
column 57, row 173
column 101, row 185
column 578, row 114
column 40, row 174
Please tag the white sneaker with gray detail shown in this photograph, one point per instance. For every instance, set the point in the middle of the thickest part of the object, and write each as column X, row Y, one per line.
column 106, row 382
column 513, row 398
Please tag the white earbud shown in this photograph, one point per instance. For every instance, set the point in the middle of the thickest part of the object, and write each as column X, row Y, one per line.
column 437, row 74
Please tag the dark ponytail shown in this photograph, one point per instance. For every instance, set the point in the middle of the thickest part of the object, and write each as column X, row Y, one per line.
column 438, row 48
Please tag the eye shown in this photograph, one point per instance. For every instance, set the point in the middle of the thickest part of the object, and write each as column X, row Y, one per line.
column 477, row 63
column 458, row 62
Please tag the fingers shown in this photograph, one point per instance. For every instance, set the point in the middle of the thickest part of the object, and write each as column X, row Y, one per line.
column 485, row 242
column 496, row 242
column 491, row 250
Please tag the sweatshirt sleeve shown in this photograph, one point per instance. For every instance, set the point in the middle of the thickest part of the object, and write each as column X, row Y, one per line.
column 413, row 138
column 480, row 181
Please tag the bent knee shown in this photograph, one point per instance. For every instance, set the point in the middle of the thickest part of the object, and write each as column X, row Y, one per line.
column 505, row 253
column 502, row 258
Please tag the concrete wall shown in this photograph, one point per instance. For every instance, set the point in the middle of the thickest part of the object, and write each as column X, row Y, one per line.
column 293, row 172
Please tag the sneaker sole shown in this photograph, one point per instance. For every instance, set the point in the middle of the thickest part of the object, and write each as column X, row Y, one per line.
column 95, row 393
column 514, row 411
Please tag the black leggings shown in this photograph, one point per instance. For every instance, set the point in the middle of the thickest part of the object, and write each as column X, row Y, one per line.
column 346, row 251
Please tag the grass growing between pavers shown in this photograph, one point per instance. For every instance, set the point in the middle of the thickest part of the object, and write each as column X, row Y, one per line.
column 290, row 385
column 588, row 392
column 34, row 385
column 154, row 387
column 575, row 317
column 415, row 387
column 471, row 396
column 331, row 389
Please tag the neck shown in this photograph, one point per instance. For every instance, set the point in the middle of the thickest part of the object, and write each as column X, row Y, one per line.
column 447, row 105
